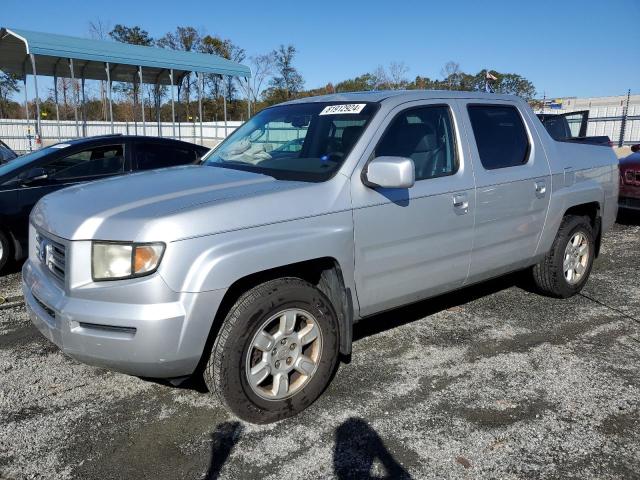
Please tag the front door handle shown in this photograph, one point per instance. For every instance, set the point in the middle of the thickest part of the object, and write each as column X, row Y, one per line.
column 541, row 188
column 460, row 203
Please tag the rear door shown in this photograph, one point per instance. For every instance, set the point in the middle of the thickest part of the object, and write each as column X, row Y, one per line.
column 416, row 242
column 513, row 186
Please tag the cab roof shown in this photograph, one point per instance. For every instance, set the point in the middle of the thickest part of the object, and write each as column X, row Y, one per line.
column 399, row 96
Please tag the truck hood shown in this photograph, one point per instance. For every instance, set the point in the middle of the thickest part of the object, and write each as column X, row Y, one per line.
column 165, row 205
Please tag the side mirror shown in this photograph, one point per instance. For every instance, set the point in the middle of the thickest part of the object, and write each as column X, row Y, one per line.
column 34, row 175
column 390, row 172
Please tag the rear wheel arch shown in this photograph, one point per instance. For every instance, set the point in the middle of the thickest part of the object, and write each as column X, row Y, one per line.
column 592, row 210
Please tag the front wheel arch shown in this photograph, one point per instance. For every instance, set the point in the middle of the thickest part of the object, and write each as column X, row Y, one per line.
column 324, row 273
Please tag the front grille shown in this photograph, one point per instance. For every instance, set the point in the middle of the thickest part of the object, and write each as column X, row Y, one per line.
column 52, row 255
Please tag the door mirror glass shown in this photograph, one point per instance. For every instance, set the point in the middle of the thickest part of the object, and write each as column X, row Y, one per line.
column 390, row 172
column 35, row 175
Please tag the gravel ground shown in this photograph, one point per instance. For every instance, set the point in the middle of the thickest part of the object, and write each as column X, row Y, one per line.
column 489, row 382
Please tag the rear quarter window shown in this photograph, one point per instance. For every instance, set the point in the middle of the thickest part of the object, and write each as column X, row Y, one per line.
column 500, row 135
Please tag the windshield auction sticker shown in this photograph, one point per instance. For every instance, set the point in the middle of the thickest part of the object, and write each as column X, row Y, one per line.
column 344, row 108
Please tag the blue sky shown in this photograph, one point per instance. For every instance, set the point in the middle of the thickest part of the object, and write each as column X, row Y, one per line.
column 566, row 48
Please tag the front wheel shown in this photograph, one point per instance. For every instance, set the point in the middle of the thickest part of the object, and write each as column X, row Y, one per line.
column 565, row 269
column 276, row 351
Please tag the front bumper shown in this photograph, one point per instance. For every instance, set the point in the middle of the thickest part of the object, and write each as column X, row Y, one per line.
column 164, row 338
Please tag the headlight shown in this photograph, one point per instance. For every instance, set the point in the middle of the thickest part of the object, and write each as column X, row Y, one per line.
column 116, row 261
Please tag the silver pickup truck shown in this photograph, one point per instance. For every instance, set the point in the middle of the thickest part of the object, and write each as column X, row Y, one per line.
column 252, row 268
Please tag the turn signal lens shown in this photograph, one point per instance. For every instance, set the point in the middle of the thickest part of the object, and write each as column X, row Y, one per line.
column 146, row 258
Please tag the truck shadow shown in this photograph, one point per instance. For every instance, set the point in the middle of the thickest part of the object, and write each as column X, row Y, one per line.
column 410, row 313
column 398, row 316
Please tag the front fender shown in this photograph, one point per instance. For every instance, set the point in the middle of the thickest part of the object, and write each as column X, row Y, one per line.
column 217, row 261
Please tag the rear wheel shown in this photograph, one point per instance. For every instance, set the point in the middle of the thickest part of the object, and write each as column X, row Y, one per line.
column 6, row 250
column 565, row 269
column 276, row 351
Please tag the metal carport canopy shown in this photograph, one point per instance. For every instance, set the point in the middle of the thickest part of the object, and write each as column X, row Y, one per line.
column 53, row 51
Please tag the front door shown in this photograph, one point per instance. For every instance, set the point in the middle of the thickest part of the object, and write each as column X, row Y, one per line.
column 416, row 242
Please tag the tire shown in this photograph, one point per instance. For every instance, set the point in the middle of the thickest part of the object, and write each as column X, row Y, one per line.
column 234, row 351
column 550, row 276
column 6, row 250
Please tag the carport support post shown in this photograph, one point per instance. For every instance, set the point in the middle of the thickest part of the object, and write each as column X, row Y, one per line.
column 200, row 88
column 108, row 71
column 224, row 106
column 84, row 106
column 173, row 106
column 55, row 97
column 158, row 104
column 26, row 100
column 75, row 102
column 248, row 80
column 135, row 100
column 144, row 126
column 35, row 87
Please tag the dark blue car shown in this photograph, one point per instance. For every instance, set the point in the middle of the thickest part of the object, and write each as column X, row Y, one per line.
column 26, row 179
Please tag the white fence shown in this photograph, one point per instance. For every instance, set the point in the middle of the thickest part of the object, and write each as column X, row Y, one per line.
column 19, row 134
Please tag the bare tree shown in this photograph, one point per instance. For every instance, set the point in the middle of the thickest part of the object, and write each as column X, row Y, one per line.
column 67, row 88
column 262, row 68
column 451, row 73
column 98, row 29
column 398, row 75
column 8, row 86
column 380, row 78
column 187, row 39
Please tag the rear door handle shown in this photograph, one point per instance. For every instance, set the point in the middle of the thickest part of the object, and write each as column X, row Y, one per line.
column 460, row 203
column 541, row 188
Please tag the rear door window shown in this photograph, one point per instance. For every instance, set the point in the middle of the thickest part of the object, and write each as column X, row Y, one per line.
column 150, row 156
column 500, row 136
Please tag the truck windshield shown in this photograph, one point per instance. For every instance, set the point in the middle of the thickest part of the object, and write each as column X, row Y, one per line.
column 304, row 141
